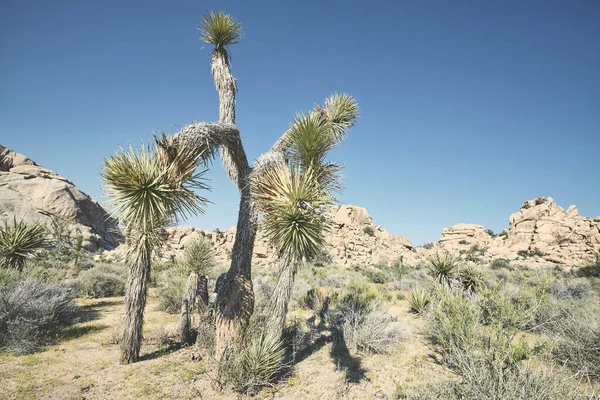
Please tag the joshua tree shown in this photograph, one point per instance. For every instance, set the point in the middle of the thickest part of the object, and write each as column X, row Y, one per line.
column 295, row 193
column 19, row 241
column 149, row 188
column 235, row 297
column 196, row 262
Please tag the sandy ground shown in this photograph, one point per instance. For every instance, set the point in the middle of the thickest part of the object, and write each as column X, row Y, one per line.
column 83, row 365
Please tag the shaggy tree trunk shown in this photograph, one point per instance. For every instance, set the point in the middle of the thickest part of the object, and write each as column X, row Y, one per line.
column 202, row 291
column 135, row 302
column 281, row 296
column 235, row 298
column 187, row 304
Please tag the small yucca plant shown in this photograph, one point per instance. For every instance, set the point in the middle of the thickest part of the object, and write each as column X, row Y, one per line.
column 262, row 359
column 471, row 277
column 443, row 267
column 19, row 241
column 418, row 299
column 198, row 257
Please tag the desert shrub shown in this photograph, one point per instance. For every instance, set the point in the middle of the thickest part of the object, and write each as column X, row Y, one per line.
column 490, row 232
column 574, row 327
column 398, row 269
column 580, row 288
column 31, row 312
column 511, row 310
column 322, row 259
column 365, row 326
column 369, row 231
column 591, row 270
column 463, row 242
column 485, row 383
column 487, row 358
column 442, row 266
column 429, row 246
column 500, row 263
column 101, row 281
column 471, row 277
column 535, row 252
column 170, row 292
column 418, row 299
column 375, row 275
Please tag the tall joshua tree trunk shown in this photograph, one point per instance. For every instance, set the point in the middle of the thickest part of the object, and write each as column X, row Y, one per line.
column 281, row 296
column 235, row 298
column 135, row 302
column 187, row 304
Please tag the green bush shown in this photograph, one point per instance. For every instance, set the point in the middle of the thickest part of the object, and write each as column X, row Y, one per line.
column 375, row 275
column 101, row 281
column 364, row 325
column 369, row 231
column 500, row 263
column 485, row 383
column 591, row 270
column 31, row 312
column 535, row 252
column 487, row 358
column 171, row 286
column 579, row 288
column 574, row 327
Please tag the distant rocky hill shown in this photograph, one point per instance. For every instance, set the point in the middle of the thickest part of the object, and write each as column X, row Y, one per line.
column 541, row 232
column 32, row 193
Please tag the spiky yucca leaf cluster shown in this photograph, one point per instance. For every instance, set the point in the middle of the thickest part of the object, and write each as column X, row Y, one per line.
column 294, row 191
column 197, row 257
column 291, row 200
column 18, row 241
column 151, row 187
column 418, row 299
column 220, row 29
column 443, row 266
column 262, row 359
column 341, row 111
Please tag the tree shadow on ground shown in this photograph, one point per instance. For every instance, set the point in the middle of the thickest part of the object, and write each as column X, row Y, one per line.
column 162, row 351
column 90, row 312
column 339, row 354
column 74, row 332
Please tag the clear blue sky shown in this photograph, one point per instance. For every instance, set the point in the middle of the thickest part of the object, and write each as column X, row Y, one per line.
column 468, row 108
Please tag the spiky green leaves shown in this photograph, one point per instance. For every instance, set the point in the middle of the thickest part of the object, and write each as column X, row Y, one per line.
column 18, row 241
column 197, row 257
column 443, row 267
column 220, row 29
column 292, row 203
column 262, row 359
column 341, row 111
column 150, row 187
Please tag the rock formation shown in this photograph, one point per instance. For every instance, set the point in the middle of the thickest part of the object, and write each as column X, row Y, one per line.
column 540, row 232
column 353, row 239
column 34, row 194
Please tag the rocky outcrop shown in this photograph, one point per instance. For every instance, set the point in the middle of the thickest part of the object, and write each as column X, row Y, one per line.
column 462, row 234
column 353, row 239
column 540, row 232
column 32, row 193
